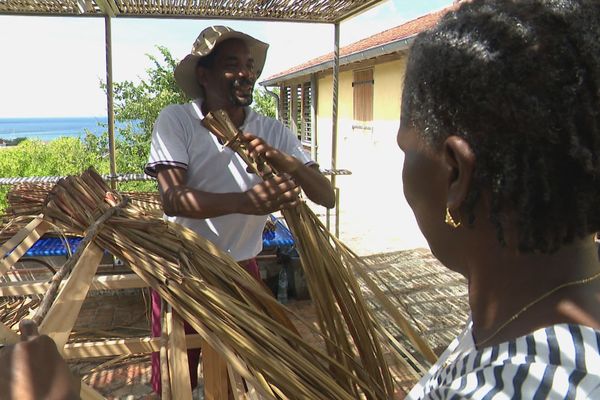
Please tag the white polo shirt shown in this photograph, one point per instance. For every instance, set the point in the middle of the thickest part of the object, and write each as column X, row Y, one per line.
column 179, row 139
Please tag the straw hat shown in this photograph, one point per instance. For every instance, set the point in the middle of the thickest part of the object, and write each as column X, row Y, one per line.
column 209, row 38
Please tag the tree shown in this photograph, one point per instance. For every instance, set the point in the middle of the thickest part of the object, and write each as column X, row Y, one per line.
column 264, row 103
column 137, row 106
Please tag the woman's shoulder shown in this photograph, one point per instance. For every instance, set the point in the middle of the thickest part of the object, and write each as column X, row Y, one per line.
column 566, row 345
column 558, row 361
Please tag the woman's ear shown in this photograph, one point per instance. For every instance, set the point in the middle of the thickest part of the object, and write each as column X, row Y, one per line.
column 460, row 161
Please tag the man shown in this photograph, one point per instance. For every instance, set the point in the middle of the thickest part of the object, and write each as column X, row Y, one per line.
column 203, row 184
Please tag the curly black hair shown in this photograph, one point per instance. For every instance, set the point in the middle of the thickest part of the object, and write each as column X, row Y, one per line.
column 520, row 81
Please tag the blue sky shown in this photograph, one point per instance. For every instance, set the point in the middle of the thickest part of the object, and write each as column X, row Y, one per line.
column 52, row 66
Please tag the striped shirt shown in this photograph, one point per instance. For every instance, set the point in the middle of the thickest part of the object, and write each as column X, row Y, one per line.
column 558, row 362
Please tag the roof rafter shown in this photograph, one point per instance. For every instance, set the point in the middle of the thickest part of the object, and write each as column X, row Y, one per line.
column 322, row 11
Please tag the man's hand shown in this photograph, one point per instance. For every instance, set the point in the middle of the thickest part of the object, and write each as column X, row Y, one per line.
column 33, row 369
column 315, row 185
column 282, row 162
column 271, row 195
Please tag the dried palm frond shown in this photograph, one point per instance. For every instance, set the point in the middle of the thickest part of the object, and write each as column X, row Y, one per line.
column 329, row 269
column 26, row 199
column 231, row 311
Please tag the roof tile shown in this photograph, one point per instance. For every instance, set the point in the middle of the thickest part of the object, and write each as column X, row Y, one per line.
column 400, row 32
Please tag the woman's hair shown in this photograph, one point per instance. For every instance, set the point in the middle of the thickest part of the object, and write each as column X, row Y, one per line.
column 520, row 82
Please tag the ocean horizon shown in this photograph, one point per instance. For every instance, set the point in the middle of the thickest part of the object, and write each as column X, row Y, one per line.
column 50, row 128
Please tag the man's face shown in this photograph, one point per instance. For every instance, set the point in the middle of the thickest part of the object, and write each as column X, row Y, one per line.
column 230, row 80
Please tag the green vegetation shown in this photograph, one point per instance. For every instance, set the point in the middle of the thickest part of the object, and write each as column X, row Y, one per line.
column 264, row 103
column 138, row 102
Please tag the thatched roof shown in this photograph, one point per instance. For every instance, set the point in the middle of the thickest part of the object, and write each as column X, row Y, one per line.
column 327, row 11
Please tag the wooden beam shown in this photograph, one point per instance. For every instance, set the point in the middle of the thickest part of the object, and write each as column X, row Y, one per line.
column 19, row 236
column 119, row 347
column 62, row 315
column 165, row 380
column 181, row 388
column 214, row 368
column 105, row 282
column 21, row 242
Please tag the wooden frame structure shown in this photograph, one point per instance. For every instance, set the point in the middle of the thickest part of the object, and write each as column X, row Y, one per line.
column 60, row 320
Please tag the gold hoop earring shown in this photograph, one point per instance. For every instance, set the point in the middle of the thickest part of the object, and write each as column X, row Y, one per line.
column 449, row 220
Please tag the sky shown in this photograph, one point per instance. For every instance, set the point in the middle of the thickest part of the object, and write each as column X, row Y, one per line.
column 52, row 66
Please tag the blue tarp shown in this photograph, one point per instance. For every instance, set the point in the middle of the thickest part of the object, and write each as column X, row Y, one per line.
column 54, row 246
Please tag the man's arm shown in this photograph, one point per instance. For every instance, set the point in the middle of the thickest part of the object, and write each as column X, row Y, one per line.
column 316, row 186
column 263, row 198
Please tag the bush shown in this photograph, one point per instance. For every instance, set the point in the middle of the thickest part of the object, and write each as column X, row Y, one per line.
column 62, row 156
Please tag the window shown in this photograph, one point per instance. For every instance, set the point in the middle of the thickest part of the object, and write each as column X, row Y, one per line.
column 296, row 111
column 285, row 94
column 362, row 86
column 306, row 112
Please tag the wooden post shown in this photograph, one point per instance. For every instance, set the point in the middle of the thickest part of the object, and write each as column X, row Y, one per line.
column 165, row 382
column 181, row 388
column 20, row 243
column 62, row 315
column 216, row 382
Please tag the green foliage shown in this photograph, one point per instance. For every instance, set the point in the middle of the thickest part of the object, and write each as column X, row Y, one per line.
column 143, row 101
column 62, row 156
column 138, row 105
column 264, row 103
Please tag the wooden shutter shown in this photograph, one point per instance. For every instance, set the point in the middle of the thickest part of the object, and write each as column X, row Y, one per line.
column 286, row 106
column 298, row 110
column 363, row 98
column 306, row 112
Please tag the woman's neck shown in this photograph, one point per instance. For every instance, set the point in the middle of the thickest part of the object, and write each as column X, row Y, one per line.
column 503, row 281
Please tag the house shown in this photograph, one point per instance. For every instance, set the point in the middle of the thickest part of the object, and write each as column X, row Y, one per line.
column 373, row 213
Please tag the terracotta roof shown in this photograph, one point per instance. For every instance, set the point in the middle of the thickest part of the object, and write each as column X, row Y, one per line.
column 401, row 32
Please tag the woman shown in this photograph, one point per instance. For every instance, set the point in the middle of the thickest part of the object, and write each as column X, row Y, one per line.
column 501, row 135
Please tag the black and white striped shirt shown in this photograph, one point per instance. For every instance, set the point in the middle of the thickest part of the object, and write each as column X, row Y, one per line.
column 558, row 362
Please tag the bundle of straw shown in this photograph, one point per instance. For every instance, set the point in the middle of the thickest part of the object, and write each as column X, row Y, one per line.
column 230, row 310
column 28, row 198
column 329, row 268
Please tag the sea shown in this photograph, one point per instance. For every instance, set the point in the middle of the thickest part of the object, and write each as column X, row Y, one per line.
column 47, row 129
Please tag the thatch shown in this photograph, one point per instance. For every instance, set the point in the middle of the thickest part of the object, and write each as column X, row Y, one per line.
column 282, row 10
column 231, row 311
column 27, row 199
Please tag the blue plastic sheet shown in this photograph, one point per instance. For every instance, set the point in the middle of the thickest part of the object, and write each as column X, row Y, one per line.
column 54, row 246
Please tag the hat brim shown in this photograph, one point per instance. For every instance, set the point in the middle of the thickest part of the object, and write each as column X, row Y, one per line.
column 185, row 72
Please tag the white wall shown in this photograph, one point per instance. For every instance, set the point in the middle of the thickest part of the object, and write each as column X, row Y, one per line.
column 374, row 216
